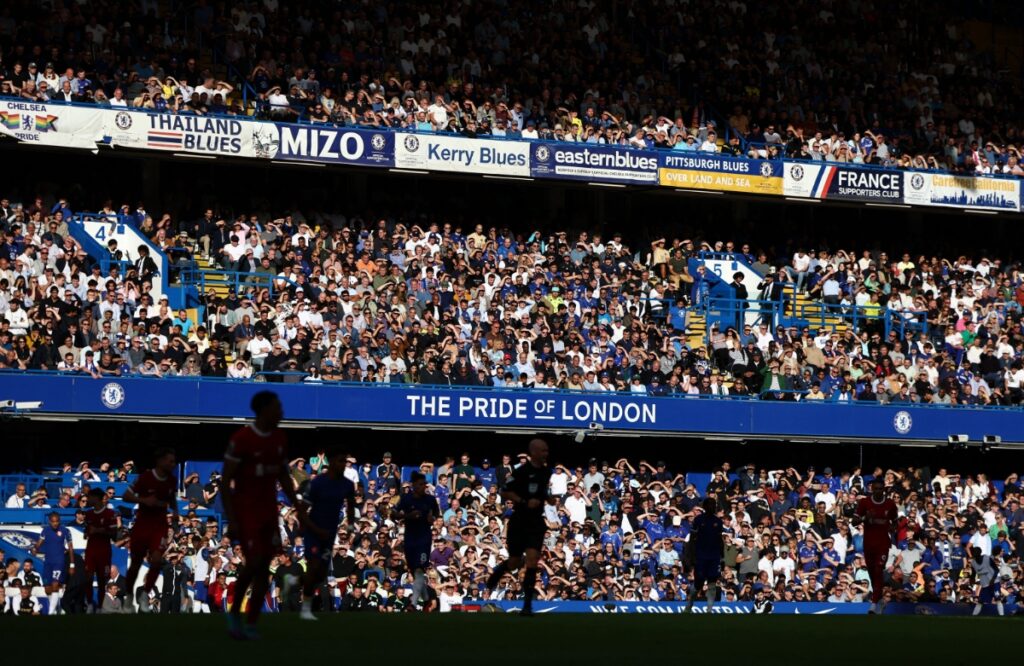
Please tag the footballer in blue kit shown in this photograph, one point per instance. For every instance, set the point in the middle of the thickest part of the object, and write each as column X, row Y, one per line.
column 707, row 553
column 417, row 510
column 324, row 499
column 55, row 546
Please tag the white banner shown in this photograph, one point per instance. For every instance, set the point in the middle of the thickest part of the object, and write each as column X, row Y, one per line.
column 205, row 135
column 436, row 152
column 939, row 189
column 52, row 124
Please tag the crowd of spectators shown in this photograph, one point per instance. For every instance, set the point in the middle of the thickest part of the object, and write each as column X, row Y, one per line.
column 425, row 301
column 842, row 82
column 617, row 531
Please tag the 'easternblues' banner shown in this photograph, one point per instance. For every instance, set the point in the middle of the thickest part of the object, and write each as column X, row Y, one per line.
column 727, row 608
column 826, row 181
column 57, row 125
column 204, row 135
column 438, row 152
column 488, row 409
column 936, row 189
column 603, row 164
column 708, row 171
column 336, row 145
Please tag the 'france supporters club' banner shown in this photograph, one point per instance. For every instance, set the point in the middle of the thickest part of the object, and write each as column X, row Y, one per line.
column 708, row 171
column 824, row 181
column 311, row 143
column 52, row 124
column 593, row 163
column 436, row 152
column 937, row 189
column 225, row 136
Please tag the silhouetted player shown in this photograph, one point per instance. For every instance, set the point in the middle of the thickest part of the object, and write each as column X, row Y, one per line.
column 879, row 516
column 255, row 461
column 527, row 489
column 417, row 510
column 707, row 552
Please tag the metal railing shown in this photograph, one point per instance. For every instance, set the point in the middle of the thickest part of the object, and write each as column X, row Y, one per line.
column 206, row 279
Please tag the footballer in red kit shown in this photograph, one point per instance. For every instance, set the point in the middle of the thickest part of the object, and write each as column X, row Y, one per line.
column 101, row 525
column 255, row 462
column 879, row 516
column 155, row 491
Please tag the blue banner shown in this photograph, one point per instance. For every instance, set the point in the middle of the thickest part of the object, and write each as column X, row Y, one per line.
column 721, row 173
column 591, row 162
column 827, row 181
column 423, row 406
column 729, row 608
column 336, row 145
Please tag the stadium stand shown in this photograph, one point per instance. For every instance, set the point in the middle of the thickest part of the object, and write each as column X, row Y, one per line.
column 392, row 301
column 617, row 533
column 927, row 98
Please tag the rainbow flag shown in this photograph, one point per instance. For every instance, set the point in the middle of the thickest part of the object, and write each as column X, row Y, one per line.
column 45, row 123
column 10, row 120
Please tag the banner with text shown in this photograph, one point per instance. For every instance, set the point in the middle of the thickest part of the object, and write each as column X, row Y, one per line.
column 707, row 171
column 52, row 124
column 336, row 145
column 936, row 189
column 824, row 181
column 435, row 152
column 204, row 135
column 726, row 608
column 604, row 164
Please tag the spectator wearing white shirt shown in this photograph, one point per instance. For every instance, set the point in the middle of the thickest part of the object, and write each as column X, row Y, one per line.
column 19, row 500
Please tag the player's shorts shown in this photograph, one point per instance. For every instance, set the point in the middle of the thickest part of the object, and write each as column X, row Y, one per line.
column 525, row 534
column 259, row 537
column 417, row 555
column 97, row 560
column 315, row 547
column 53, row 572
column 707, row 569
column 875, row 556
column 146, row 539
column 988, row 593
column 200, row 592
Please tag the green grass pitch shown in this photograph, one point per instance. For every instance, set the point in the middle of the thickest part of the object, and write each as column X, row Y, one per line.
column 508, row 639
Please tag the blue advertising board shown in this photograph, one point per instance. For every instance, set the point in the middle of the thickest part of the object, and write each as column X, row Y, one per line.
column 596, row 163
column 424, row 406
column 729, row 608
column 336, row 145
column 828, row 181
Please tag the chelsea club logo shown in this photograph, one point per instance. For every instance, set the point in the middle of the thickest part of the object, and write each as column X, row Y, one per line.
column 112, row 395
column 917, row 181
column 902, row 422
column 766, row 169
column 123, row 120
column 542, row 153
column 377, row 141
column 412, row 144
column 796, row 172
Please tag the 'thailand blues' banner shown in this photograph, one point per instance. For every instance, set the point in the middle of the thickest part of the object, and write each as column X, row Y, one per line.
column 57, row 125
column 438, row 152
column 708, row 171
column 203, row 135
column 937, row 189
column 727, row 608
column 601, row 164
column 488, row 409
column 336, row 145
column 819, row 180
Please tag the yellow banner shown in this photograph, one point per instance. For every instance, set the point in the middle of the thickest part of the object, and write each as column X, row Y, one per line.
column 725, row 182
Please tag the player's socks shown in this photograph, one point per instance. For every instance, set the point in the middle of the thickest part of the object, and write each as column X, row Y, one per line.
column 712, row 593
column 54, row 603
column 495, row 577
column 151, row 577
column 977, row 609
column 419, row 587
column 881, row 606
column 529, row 589
column 307, row 609
column 234, row 626
column 999, row 608
column 872, row 608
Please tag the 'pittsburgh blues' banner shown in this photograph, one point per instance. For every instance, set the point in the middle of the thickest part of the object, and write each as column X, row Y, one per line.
column 603, row 164
column 527, row 411
column 336, row 145
column 828, row 181
column 729, row 608
column 709, row 171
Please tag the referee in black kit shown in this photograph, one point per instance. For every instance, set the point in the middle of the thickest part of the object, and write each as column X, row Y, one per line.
column 527, row 489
